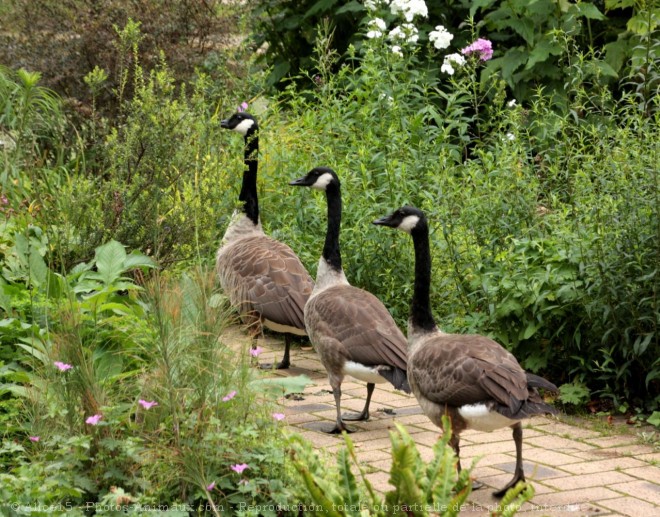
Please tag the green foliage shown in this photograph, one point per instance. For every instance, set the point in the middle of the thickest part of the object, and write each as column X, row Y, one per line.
column 575, row 393
column 66, row 40
column 420, row 488
column 535, row 43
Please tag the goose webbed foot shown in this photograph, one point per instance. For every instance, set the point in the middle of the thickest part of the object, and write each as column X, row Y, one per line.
column 356, row 417
column 340, row 428
column 518, row 476
column 476, row 485
column 282, row 365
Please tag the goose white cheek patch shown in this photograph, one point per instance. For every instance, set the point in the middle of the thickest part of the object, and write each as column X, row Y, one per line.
column 408, row 223
column 244, row 126
column 323, row 181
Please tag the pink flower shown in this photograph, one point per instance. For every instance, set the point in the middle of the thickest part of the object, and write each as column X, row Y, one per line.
column 63, row 367
column 483, row 46
column 278, row 416
column 147, row 405
column 254, row 352
column 93, row 420
column 240, row 468
column 229, row 396
column 243, row 107
column 35, row 438
column 211, row 486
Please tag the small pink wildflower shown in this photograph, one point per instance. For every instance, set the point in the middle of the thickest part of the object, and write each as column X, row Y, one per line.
column 147, row 405
column 35, row 438
column 483, row 46
column 240, row 467
column 211, row 486
column 93, row 420
column 243, row 107
column 254, row 352
column 229, row 396
column 63, row 367
column 278, row 416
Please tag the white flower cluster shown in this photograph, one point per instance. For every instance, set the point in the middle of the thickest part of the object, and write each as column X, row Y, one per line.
column 409, row 8
column 406, row 32
column 377, row 27
column 450, row 61
column 440, row 37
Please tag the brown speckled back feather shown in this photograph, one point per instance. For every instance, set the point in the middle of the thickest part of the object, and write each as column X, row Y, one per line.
column 261, row 274
column 467, row 369
column 359, row 326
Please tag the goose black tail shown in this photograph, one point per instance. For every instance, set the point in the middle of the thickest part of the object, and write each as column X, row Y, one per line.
column 397, row 378
column 534, row 381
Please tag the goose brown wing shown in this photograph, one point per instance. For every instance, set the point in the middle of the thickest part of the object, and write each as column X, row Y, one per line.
column 362, row 324
column 265, row 275
column 464, row 369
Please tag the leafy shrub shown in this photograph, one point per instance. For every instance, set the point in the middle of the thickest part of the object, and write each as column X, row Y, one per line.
column 67, row 40
column 419, row 488
column 536, row 43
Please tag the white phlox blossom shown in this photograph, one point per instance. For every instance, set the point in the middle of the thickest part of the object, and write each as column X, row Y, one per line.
column 376, row 28
column 409, row 8
column 371, row 5
column 440, row 37
column 511, row 103
column 406, row 32
column 396, row 50
column 450, row 61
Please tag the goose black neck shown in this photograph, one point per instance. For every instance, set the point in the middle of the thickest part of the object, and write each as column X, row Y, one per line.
column 420, row 306
column 331, row 252
column 248, row 193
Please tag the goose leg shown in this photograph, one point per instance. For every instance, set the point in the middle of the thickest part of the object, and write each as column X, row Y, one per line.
column 365, row 412
column 454, row 443
column 340, row 426
column 519, row 474
column 284, row 363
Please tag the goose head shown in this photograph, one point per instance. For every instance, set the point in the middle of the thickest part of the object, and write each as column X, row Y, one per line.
column 240, row 122
column 406, row 219
column 319, row 178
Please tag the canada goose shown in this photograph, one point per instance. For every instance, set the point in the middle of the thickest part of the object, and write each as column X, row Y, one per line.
column 470, row 378
column 263, row 277
column 350, row 329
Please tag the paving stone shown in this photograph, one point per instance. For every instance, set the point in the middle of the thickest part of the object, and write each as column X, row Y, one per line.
column 604, row 465
column 532, row 470
column 554, row 442
column 549, row 457
column 631, row 507
column 589, row 480
column 647, row 472
column 582, row 501
column 612, row 441
column 310, row 408
column 649, row 492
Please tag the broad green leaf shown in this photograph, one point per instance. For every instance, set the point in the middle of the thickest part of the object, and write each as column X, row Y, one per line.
column 136, row 259
column 541, row 52
column 38, row 268
column 109, row 261
column 511, row 61
column 590, row 11
column 480, row 4
column 320, row 6
column 350, row 7
column 619, row 4
column 283, row 385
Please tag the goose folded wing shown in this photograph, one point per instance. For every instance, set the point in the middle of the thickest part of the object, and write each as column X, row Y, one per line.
column 267, row 276
column 364, row 326
column 456, row 372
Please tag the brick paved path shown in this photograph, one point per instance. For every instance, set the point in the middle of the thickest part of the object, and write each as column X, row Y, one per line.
column 575, row 471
